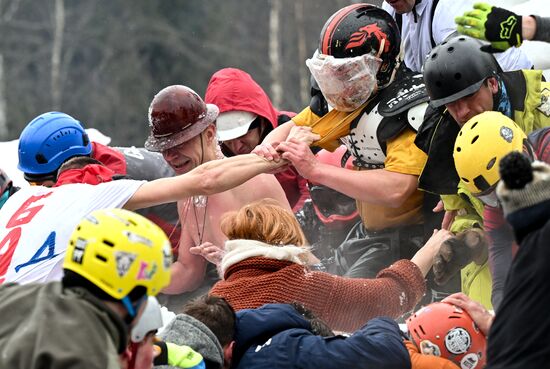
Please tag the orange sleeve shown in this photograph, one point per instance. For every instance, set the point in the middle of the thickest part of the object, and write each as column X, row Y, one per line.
column 419, row 361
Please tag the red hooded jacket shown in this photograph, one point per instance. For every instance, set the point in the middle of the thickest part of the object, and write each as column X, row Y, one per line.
column 233, row 89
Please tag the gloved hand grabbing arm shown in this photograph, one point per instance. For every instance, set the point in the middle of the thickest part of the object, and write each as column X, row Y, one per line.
column 457, row 252
column 178, row 356
column 501, row 27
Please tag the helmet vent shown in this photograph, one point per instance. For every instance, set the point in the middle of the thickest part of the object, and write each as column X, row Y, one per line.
column 101, row 257
column 41, row 159
column 434, row 55
column 458, row 149
column 458, row 76
column 465, row 180
column 475, row 139
column 131, row 221
column 491, row 163
column 450, row 49
column 474, row 125
column 108, row 243
column 422, row 329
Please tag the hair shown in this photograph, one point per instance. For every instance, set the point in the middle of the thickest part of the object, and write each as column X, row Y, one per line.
column 216, row 314
column 77, row 162
column 318, row 325
column 266, row 221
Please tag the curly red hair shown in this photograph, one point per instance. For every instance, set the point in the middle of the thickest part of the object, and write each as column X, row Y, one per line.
column 266, row 221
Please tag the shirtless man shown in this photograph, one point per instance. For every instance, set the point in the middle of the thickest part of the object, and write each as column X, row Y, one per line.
column 183, row 129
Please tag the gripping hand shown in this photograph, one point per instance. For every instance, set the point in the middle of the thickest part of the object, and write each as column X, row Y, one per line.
column 499, row 26
column 457, row 252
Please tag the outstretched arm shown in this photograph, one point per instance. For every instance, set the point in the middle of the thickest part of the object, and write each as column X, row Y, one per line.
column 378, row 186
column 209, row 178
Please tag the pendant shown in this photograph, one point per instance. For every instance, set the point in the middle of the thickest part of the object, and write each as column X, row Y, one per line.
column 200, row 201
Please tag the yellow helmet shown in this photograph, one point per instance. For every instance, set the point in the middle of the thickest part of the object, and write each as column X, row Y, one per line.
column 480, row 145
column 118, row 250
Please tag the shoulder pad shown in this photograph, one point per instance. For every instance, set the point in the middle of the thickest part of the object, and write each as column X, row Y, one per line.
column 402, row 95
column 415, row 115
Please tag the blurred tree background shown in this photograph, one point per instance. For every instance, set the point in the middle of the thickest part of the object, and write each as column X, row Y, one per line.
column 103, row 61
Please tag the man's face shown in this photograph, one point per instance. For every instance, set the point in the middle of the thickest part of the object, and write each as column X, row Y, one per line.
column 401, row 6
column 244, row 144
column 185, row 156
column 145, row 353
column 469, row 106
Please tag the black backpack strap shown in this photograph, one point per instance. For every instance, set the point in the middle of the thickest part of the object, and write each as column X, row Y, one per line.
column 432, row 14
column 399, row 21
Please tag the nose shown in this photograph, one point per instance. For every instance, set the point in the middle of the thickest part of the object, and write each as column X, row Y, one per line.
column 169, row 154
column 459, row 110
column 234, row 145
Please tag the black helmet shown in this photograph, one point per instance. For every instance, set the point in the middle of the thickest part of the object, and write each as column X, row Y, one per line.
column 359, row 29
column 457, row 68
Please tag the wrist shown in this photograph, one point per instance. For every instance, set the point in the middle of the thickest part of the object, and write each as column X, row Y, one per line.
column 528, row 27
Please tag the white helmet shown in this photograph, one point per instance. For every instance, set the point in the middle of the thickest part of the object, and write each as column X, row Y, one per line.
column 150, row 320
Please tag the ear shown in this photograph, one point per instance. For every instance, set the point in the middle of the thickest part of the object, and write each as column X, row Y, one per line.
column 210, row 132
column 493, row 84
column 228, row 353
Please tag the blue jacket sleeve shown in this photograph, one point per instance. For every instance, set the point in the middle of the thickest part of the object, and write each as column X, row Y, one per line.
column 377, row 345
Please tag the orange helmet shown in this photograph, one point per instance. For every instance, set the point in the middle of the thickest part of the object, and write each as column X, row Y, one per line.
column 446, row 330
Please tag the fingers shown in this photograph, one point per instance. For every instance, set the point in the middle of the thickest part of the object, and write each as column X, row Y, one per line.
column 448, row 219
column 267, row 151
column 439, row 207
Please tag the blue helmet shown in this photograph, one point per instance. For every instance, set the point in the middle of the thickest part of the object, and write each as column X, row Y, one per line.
column 48, row 141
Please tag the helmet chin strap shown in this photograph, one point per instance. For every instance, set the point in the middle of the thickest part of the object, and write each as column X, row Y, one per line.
column 132, row 309
column 202, row 150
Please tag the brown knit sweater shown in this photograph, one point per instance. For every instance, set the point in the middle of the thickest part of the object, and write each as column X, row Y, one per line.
column 345, row 304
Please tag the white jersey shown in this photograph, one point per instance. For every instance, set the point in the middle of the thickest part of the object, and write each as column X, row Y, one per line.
column 36, row 224
column 417, row 41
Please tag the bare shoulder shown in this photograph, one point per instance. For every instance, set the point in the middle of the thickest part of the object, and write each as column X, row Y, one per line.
column 262, row 186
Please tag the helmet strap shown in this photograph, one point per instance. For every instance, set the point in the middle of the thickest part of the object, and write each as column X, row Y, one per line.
column 202, row 150
column 129, row 306
column 132, row 308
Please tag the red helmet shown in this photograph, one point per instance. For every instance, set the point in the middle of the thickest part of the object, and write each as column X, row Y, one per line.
column 333, row 208
column 446, row 330
column 176, row 115
column 360, row 29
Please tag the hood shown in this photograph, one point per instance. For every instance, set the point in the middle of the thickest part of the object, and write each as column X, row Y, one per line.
column 90, row 174
column 186, row 330
column 256, row 326
column 233, row 89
